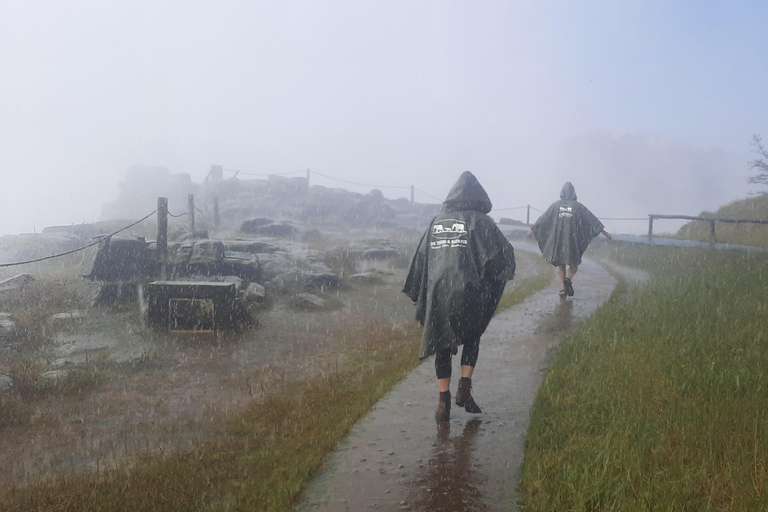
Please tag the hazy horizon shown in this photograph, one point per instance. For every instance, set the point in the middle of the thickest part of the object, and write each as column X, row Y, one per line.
column 647, row 107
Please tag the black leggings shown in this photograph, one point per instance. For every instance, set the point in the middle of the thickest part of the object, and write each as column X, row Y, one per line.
column 468, row 358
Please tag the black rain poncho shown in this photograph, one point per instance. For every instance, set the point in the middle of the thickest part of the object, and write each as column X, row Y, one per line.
column 565, row 229
column 459, row 270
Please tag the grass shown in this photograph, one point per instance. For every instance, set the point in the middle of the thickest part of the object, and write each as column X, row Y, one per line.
column 262, row 458
column 756, row 235
column 257, row 460
column 657, row 402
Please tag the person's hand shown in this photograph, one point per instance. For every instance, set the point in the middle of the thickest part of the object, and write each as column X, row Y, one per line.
column 530, row 233
column 607, row 235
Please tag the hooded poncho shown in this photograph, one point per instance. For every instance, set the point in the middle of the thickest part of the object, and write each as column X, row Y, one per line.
column 565, row 229
column 459, row 270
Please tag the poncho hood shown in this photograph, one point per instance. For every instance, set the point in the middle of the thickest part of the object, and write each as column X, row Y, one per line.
column 468, row 194
column 568, row 193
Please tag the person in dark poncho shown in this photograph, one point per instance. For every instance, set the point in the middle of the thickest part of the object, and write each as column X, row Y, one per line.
column 456, row 280
column 563, row 233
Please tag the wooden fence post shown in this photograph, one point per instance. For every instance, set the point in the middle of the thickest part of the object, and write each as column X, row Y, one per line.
column 712, row 230
column 650, row 227
column 216, row 219
column 191, row 213
column 162, row 234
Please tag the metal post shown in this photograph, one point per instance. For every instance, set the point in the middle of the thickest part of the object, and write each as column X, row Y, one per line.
column 162, row 234
column 191, row 213
column 307, row 178
column 650, row 227
column 712, row 230
column 412, row 194
column 528, row 216
column 216, row 219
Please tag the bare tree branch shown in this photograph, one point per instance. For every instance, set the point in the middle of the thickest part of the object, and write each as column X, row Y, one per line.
column 760, row 164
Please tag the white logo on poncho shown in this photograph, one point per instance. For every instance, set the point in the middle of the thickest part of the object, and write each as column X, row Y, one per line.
column 566, row 211
column 449, row 233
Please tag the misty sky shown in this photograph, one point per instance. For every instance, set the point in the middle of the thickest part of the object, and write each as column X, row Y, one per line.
column 646, row 106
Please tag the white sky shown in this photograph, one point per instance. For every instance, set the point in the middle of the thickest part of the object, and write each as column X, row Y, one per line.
column 646, row 106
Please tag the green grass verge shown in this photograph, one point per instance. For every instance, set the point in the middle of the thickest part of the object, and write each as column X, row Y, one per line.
column 258, row 460
column 262, row 459
column 657, row 402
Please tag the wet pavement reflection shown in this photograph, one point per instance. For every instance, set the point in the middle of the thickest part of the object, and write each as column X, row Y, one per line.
column 451, row 482
column 396, row 458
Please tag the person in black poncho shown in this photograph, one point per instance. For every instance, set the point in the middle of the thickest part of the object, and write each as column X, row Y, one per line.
column 456, row 280
column 563, row 233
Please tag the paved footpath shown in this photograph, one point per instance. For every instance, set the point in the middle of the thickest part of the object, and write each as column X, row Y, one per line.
column 398, row 458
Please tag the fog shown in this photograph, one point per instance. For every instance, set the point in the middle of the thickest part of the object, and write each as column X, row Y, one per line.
column 647, row 107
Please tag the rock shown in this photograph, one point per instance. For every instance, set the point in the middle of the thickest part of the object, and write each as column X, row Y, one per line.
column 9, row 332
column 380, row 253
column 273, row 264
column 268, row 227
column 207, row 251
column 305, row 280
column 56, row 374
column 62, row 319
column 255, row 293
column 117, row 259
column 366, row 277
column 251, row 246
column 16, row 282
column 179, row 253
column 5, row 379
column 307, row 301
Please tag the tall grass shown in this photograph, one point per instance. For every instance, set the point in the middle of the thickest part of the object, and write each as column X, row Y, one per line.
column 261, row 459
column 658, row 402
column 754, row 208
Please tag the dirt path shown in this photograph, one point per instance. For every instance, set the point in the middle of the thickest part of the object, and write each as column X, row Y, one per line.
column 398, row 458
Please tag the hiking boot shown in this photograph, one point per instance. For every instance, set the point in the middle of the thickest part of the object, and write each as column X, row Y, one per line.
column 464, row 396
column 568, row 287
column 443, row 412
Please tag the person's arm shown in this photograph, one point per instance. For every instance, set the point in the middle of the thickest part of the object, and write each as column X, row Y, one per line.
column 530, row 233
column 607, row 235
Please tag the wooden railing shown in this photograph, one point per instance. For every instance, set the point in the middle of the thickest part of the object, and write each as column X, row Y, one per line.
column 711, row 220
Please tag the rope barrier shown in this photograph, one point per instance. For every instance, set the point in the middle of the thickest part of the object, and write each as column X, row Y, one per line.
column 79, row 249
column 177, row 216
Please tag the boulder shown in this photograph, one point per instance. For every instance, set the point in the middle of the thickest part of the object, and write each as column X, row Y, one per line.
column 16, row 282
column 5, row 379
column 9, row 332
column 273, row 264
column 381, row 252
column 305, row 280
column 267, row 227
column 255, row 293
column 63, row 319
column 251, row 246
column 307, row 301
column 207, row 251
column 241, row 264
column 117, row 259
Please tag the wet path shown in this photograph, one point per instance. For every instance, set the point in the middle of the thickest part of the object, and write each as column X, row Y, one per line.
column 398, row 458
